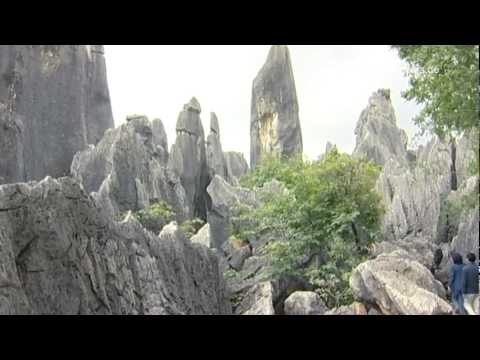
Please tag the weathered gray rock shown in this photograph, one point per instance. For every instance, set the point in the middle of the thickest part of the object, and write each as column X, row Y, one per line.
column 304, row 303
column 465, row 158
column 60, row 255
column 127, row 170
column 188, row 159
column 275, row 125
column 399, row 285
column 215, row 157
column 420, row 249
column 413, row 197
column 236, row 166
column 54, row 101
column 258, row 300
column 160, row 139
column 378, row 137
column 222, row 198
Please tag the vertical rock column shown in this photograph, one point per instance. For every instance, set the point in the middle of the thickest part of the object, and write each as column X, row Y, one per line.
column 275, row 125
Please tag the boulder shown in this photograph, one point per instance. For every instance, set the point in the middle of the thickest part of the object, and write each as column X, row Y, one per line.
column 304, row 303
column 275, row 125
column 258, row 300
column 54, row 101
column 59, row 254
column 399, row 285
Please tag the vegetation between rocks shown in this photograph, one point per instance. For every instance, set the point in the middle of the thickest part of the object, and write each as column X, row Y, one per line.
column 322, row 226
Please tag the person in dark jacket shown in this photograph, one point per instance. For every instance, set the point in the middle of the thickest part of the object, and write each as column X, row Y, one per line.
column 456, row 283
column 470, row 284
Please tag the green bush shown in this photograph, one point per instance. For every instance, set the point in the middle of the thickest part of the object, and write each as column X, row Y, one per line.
column 191, row 227
column 323, row 227
column 155, row 216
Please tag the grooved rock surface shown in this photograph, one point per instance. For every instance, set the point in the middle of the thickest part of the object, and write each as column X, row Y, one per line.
column 128, row 169
column 54, row 101
column 258, row 300
column 275, row 125
column 188, row 159
column 60, row 255
column 399, row 285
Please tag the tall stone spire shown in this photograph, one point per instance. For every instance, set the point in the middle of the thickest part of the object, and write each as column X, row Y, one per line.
column 275, row 124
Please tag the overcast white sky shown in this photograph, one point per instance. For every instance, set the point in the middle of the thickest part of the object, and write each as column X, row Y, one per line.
column 333, row 86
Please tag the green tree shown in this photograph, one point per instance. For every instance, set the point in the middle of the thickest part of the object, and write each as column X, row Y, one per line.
column 445, row 80
column 323, row 226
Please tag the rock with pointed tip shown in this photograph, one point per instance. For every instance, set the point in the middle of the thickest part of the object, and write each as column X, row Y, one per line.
column 236, row 167
column 275, row 124
column 215, row 157
column 378, row 137
column 128, row 170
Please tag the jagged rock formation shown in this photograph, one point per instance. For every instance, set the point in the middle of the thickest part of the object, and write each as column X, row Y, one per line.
column 304, row 303
column 215, row 157
column 236, row 166
column 188, row 159
column 54, row 101
column 399, row 285
column 275, row 125
column 378, row 137
column 59, row 254
column 128, row 169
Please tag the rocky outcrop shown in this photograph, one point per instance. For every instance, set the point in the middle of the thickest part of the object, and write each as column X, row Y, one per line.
column 399, row 285
column 413, row 187
column 304, row 303
column 275, row 125
column 236, row 167
column 128, row 169
column 188, row 159
column 378, row 138
column 60, row 255
column 54, row 101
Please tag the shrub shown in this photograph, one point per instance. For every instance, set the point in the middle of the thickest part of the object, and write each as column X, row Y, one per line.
column 191, row 227
column 155, row 216
column 323, row 227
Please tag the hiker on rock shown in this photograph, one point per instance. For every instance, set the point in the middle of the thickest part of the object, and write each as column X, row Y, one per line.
column 456, row 283
column 470, row 284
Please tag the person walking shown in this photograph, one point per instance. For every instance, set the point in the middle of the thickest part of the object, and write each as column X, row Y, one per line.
column 470, row 284
column 456, row 283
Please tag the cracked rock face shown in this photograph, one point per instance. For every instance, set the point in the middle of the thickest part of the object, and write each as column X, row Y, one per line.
column 128, row 169
column 378, row 137
column 60, row 255
column 54, row 101
column 188, row 158
column 275, row 125
column 304, row 303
